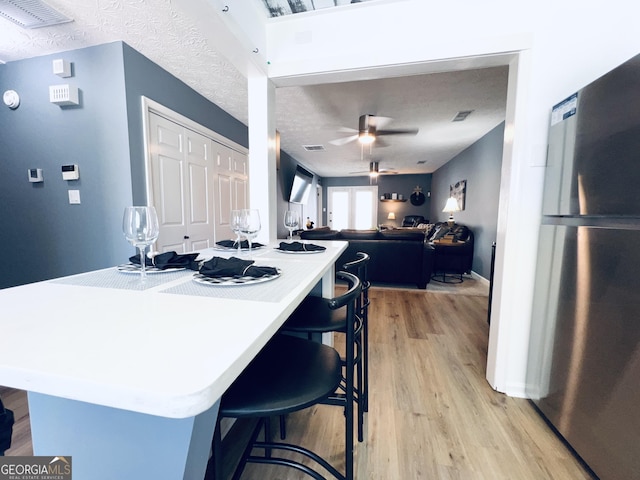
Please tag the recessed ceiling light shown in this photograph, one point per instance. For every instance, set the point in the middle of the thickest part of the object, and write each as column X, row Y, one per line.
column 462, row 115
column 31, row 13
column 313, row 148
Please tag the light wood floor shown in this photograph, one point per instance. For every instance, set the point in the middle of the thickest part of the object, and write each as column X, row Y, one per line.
column 432, row 414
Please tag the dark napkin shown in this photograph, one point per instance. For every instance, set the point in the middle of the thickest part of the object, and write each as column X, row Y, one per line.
column 243, row 244
column 166, row 260
column 234, row 267
column 301, row 247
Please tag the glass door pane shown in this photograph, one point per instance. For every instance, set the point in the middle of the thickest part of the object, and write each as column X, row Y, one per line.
column 364, row 206
column 338, row 204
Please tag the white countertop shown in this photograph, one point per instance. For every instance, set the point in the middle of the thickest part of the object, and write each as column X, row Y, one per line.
column 167, row 354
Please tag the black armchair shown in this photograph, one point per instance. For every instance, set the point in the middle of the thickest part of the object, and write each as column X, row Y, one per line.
column 413, row 220
column 455, row 256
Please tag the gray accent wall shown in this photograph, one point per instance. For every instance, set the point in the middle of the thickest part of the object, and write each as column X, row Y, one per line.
column 42, row 235
column 480, row 165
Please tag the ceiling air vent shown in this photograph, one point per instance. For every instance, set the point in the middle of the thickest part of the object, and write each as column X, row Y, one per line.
column 31, row 13
column 314, row 148
column 421, row 162
column 462, row 115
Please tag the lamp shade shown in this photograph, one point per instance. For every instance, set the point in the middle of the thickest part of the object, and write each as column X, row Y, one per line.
column 451, row 205
column 391, row 216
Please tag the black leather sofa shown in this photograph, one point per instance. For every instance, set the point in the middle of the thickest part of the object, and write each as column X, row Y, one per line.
column 397, row 256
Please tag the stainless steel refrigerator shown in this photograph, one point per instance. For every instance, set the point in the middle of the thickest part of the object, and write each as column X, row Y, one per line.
column 584, row 362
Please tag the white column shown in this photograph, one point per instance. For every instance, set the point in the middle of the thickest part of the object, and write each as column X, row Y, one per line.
column 262, row 152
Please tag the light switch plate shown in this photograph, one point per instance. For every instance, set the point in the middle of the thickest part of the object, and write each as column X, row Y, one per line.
column 74, row 197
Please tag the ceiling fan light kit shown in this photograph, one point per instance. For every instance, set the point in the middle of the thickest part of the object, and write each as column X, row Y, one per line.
column 373, row 169
column 369, row 128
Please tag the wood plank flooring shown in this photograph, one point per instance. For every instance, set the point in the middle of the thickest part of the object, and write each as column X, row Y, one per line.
column 432, row 414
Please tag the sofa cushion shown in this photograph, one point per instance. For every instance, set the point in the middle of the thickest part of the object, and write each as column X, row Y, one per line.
column 348, row 234
column 323, row 233
column 402, row 234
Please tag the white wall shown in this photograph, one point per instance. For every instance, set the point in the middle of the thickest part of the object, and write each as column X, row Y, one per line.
column 560, row 47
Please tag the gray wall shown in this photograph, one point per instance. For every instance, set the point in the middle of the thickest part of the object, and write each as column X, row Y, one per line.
column 480, row 166
column 47, row 237
column 404, row 184
column 43, row 234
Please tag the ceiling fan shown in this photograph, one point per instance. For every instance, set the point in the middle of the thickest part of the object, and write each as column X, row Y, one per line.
column 371, row 127
column 375, row 170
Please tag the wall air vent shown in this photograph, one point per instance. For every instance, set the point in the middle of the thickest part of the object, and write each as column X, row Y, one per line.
column 462, row 115
column 314, row 148
column 31, row 13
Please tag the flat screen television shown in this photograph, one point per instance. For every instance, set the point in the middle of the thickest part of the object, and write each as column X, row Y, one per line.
column 301, row 186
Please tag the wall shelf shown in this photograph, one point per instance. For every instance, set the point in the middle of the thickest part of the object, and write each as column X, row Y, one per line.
column 393, row 200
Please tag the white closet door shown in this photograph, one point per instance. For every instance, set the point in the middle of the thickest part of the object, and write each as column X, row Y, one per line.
column 181, row 180
column 231, row 191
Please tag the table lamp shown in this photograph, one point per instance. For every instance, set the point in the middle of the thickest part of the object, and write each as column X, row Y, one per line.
column 450, row 207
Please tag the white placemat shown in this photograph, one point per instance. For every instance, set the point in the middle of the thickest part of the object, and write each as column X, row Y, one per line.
column 112, row 278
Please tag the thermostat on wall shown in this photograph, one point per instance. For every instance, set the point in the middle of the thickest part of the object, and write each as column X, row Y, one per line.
column 70, row 172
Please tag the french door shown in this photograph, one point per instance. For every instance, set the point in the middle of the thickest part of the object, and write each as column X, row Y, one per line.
column 352, row 207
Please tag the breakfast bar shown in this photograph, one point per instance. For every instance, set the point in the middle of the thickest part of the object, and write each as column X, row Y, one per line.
column 125, row 377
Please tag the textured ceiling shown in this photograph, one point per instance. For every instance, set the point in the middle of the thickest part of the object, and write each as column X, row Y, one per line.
column 159, row 29
column 181, row 38
column 313, row 115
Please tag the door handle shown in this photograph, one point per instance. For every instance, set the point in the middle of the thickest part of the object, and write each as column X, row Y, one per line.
column 186, row 237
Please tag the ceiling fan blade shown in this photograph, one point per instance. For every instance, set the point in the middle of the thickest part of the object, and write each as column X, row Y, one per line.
column 380, row 143
column 343, row 141
column 347, row 130
column 398, row 131
column 379, row 122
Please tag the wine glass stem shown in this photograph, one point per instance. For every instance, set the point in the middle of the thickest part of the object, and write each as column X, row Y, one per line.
column 249, row 240
column 143, row 265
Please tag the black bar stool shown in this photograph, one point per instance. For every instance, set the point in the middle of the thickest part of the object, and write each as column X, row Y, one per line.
column 314, row 316
column 290, row 374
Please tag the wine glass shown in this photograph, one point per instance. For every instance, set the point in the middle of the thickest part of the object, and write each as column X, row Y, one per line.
column 250, row 225
column 291, row 221
column 236, row 223
column 140, row 227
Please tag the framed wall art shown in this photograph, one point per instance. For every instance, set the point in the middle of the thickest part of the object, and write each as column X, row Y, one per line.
column 458, row 190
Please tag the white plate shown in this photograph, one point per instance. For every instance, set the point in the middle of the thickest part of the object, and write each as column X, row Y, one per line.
column 303, row 252
column 234, row 281
column 135, row 268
